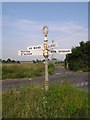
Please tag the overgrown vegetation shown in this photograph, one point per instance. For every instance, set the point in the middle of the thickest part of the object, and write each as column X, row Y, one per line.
column 51, row 68
column 25, row 70
column 60, row 101
column 79, row 58
column 0, row 70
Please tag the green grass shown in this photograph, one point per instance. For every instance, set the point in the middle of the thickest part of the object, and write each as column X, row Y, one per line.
column 0, row 70
column 60, row 101
column 25, row 70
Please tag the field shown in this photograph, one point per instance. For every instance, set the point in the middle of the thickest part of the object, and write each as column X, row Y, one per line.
column 25, row 70
column 60, row 101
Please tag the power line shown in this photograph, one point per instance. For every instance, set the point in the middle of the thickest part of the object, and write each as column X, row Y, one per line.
column 74, row 33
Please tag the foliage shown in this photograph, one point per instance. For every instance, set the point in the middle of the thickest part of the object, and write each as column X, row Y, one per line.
column 79, row 58
column 60, row 101
column 0, row 71
column 51, row 68
column 9, row 61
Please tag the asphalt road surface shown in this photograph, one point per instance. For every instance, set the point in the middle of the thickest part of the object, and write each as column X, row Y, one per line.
column 78, row 79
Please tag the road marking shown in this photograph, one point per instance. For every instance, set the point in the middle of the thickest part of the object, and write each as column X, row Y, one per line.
column 62, row 81
column 66, row 72
column 82, row 84
column 30, row 79
column 70, row 73
column 86, row 83
column 58, row 73
column 78, row 84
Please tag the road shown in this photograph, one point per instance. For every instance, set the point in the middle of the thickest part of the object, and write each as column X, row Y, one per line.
column 78, row 79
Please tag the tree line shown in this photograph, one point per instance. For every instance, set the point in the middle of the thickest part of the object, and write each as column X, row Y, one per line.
column 79, row 58
column 9, row 61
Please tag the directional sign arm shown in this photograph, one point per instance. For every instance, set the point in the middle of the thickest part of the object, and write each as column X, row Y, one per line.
column 64, row 51
column 32, row 52
column 37, row 47
column 60, row 51
column 23, row 52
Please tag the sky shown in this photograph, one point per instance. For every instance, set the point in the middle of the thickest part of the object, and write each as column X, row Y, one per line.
column 22, row 24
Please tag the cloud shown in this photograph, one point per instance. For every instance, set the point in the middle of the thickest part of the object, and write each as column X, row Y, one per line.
column 64, row 27
column 26, row 25
column 64, row 30
column 23, row 32
column 73, row 40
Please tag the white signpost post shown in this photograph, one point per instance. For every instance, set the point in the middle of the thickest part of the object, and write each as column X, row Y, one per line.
column 46, row 54
column 45, row 50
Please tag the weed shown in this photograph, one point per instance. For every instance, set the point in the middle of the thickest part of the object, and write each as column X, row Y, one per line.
column 60, row 101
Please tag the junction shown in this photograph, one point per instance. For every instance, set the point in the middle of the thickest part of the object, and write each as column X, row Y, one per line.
column 44, row 50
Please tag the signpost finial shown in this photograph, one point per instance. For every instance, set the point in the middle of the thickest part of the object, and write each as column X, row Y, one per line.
column 45, row 30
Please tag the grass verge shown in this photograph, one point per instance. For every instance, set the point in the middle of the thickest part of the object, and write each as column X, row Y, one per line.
column 25, row 70
column 60, row 101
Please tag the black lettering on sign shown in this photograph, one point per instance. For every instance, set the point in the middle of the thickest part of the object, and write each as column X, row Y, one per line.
column 37, row 47
column 64, row 51
column 30, row 48
column 52, row 45
column 53, row 51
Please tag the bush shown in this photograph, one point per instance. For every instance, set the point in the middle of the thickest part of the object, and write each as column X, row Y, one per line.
column 51, row 68
column 78, row 59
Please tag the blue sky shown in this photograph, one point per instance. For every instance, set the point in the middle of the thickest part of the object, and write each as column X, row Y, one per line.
column 22, row 25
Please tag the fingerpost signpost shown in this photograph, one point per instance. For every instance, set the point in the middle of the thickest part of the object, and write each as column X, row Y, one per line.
column 45, row 50
column 46, row 54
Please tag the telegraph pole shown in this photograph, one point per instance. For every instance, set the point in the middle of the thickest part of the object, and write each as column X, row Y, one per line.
column 52, row 56
column 45, row 54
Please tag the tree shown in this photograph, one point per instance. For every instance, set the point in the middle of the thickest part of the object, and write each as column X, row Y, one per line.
column 3, row 61
column 34, row 61
column 18, row 61
column 78, row 59
column 13, row 61
column 0, row 60
column 8, row 60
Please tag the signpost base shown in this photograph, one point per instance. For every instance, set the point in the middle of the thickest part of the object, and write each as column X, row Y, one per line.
column 46, row 74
